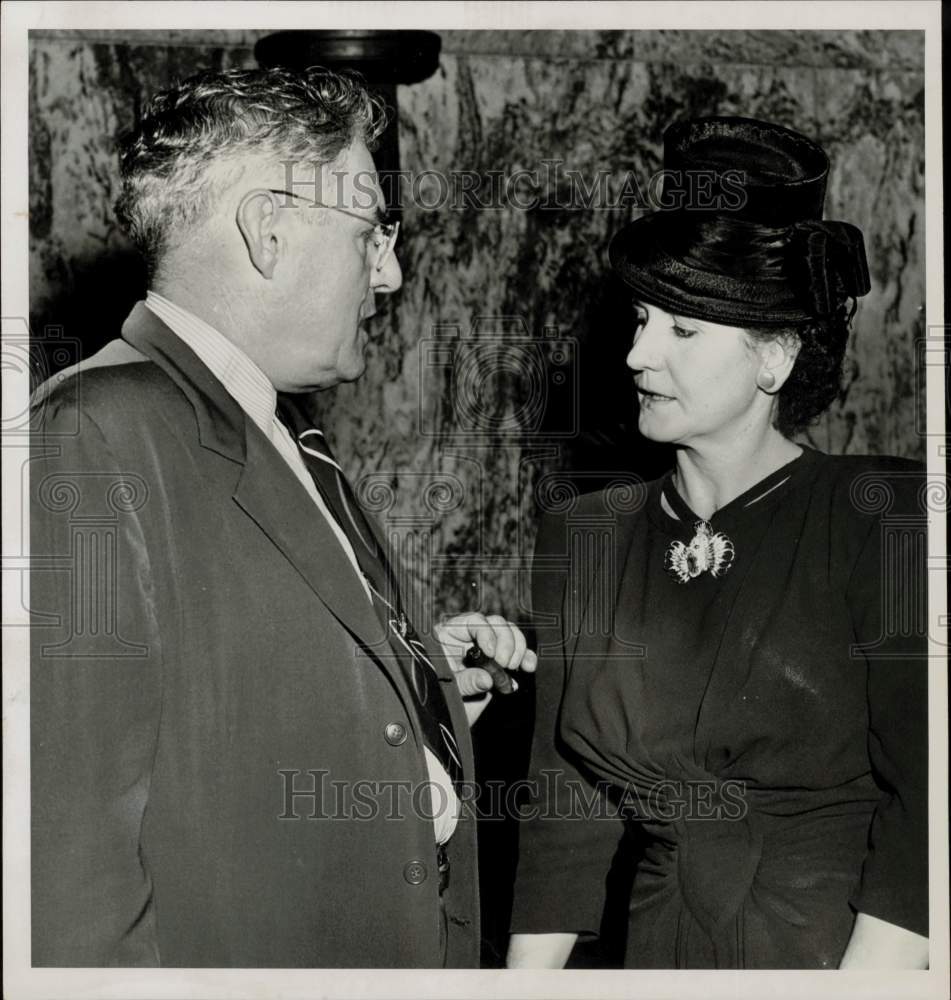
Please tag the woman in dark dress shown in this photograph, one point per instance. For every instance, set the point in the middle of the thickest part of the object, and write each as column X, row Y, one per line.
column 732, row 687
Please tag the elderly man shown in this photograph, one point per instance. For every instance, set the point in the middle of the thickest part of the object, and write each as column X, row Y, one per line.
column 243, row 754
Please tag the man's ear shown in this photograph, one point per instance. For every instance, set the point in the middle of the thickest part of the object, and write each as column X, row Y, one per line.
column 257, row 218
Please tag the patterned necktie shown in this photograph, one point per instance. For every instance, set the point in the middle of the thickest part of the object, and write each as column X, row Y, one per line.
column 423, row 680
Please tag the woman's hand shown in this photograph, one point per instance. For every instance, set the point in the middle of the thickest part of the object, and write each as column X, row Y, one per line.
column 877, row 944
column 539, row 951
column 500, row 640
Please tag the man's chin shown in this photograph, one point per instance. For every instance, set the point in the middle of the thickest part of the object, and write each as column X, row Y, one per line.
column 327, row 380
column 353, row 369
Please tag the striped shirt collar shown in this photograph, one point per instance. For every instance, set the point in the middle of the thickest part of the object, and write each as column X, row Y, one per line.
column 240, row 376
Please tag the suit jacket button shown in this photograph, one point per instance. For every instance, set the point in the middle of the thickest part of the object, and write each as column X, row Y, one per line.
column 415, row 873
column 395, row 734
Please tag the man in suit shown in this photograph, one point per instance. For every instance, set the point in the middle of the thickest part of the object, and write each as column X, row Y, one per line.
column 242, row 752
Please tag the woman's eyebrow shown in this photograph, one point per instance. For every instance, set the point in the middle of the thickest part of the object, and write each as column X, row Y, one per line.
column 685, row 320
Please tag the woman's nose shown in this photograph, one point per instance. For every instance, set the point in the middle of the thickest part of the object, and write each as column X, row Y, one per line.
column 644, row 352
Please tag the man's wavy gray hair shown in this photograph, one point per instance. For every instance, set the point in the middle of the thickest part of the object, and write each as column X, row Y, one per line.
column 166, row 187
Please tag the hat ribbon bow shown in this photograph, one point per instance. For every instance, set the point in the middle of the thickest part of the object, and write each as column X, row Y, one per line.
column 835, row 262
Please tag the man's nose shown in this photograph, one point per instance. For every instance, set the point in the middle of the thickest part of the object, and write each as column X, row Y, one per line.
column 389, row 278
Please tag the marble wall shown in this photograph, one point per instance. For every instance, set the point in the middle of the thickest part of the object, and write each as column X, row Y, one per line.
column 500, row 363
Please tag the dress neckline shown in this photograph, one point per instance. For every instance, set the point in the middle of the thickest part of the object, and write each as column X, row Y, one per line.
column 761, row 496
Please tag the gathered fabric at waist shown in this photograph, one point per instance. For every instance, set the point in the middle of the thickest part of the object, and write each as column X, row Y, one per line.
column 718, row 861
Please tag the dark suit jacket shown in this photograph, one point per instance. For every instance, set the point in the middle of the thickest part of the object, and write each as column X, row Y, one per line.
column 202, row 648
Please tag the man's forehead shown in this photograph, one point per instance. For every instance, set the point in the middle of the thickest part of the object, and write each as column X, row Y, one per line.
column 350, row 182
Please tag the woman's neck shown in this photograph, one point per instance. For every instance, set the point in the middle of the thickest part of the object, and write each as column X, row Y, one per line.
column 710, row 477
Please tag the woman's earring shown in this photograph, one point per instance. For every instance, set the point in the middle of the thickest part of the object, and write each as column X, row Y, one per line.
column 766, row 381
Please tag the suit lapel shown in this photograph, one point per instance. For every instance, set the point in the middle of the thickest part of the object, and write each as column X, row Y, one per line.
column 270, row 494
column 267, row 490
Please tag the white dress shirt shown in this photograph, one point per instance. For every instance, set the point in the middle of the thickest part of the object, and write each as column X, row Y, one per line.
column 253, row 392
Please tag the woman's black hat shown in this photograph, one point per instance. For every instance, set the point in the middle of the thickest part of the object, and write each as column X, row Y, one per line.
column 739, row 236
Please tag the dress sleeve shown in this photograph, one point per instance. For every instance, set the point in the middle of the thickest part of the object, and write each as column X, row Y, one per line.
column 94, row 701
column 570, row 832
column 888, row 599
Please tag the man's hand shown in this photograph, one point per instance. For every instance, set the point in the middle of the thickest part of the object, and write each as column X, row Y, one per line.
column 498, row 639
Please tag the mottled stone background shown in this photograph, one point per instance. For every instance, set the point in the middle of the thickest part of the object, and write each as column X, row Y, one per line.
column 500, row 364
column 501, row 361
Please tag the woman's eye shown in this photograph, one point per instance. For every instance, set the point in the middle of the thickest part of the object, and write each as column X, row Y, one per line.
column 682, row 331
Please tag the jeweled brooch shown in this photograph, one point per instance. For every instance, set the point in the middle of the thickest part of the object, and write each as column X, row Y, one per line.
column 708, row 551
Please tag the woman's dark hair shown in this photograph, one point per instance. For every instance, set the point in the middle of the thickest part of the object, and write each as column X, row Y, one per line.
column 816, row 378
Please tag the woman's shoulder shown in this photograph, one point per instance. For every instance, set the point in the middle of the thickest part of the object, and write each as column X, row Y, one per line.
column 870, row 463
column 864, row 486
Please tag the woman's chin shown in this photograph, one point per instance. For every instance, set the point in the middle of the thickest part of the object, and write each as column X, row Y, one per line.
column 661, row 431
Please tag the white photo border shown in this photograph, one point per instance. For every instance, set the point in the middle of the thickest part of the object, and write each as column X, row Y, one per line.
column 23, row 982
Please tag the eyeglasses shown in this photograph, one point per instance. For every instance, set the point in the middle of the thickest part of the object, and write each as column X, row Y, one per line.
column 384, row 233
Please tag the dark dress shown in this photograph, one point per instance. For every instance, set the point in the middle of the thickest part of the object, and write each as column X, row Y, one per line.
column 755, row 744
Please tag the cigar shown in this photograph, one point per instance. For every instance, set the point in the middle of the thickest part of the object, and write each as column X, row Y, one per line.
column 502, row 680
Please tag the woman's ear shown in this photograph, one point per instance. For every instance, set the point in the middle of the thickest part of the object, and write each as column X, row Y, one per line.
column 777, row 357
column 256, row 219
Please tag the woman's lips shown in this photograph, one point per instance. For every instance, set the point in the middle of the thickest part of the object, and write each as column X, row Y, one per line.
column 648, row 395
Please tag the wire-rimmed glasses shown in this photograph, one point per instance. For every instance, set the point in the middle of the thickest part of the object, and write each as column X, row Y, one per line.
column 384, row 233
